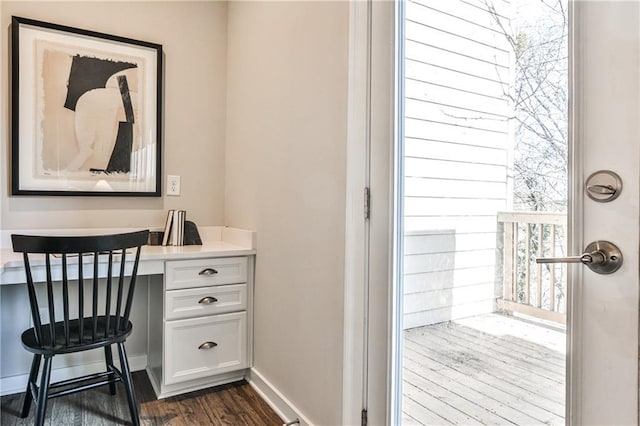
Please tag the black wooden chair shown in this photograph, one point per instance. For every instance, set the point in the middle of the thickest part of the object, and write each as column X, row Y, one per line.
column 77, row 262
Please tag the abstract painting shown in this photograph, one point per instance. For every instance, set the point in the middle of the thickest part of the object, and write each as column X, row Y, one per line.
column 86, row 111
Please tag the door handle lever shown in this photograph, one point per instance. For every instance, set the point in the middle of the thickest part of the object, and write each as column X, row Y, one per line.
column 602, row 257
column 585, row 258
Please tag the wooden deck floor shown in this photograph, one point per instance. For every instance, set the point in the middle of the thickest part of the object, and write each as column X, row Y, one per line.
column 491, row 369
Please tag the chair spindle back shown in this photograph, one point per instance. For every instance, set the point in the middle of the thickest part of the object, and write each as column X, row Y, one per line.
column 78, row 253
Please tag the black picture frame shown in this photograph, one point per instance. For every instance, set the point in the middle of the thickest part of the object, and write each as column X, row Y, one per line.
column 86, row 112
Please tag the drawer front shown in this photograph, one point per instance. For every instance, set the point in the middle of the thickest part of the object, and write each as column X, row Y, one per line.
column 205, row 272
column 192, row 302
column 202, row 347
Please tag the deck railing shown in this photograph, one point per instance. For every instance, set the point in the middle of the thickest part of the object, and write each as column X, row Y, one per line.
column 537, row 290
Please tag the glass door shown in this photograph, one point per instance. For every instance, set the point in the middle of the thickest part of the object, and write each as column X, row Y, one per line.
column 485, row 138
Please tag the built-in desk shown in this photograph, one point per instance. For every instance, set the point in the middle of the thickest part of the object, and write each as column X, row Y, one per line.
column 199, row 306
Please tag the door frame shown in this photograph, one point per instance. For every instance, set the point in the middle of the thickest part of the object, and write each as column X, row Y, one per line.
column 575, row 203
column 356, row 227
column 369, row 243
column 371, row 275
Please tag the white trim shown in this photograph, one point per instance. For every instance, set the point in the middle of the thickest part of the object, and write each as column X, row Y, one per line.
column 368, row 292
column 354, row 279
column 276, row 400
column 381, row 289
column 574, row 221
column 17, row 384
column 397, row 217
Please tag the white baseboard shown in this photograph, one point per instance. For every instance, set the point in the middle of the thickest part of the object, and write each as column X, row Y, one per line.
column 276, row 400
column 17, row 384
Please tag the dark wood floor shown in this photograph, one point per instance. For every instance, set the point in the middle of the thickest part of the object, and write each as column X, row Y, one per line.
column 232, row 404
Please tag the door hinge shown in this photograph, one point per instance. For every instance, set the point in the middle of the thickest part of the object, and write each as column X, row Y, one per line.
column 367, row 203
column 363, row 417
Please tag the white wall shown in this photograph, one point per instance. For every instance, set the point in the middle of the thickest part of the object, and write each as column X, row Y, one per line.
column 283, row 172
column 286, row 159
column 193, row 35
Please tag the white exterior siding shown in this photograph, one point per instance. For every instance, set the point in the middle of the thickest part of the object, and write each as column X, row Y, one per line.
column 456, row 157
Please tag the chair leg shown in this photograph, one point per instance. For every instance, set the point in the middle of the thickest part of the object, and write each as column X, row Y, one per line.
column 128, row 385
column 33, row 375
column 43, row 392
column 108, row 357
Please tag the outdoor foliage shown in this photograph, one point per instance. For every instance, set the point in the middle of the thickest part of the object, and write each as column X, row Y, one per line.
column 537, row 34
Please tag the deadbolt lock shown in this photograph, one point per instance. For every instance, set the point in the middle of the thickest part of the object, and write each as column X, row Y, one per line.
column 603, row 186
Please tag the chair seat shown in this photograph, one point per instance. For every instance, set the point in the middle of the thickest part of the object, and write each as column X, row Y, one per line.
column 31, row 344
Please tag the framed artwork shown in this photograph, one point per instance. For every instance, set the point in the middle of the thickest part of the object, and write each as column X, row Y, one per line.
column 86, row 112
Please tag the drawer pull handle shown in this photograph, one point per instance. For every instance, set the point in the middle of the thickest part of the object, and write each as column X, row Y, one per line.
column 208, row 272
column 208, row 345
column 207, row 300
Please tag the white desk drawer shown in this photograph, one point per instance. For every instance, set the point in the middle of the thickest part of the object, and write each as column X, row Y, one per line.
column 187, row 355
column 205, row 272
column 194, row 302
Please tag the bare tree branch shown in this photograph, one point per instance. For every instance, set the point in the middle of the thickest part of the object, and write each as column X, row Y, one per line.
column 539, row 98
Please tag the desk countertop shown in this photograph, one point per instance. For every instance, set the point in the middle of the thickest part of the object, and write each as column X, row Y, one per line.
column 217, row 242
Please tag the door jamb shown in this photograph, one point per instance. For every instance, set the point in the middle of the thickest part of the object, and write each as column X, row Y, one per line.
column 356, row 227
column 575, row 202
